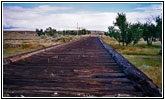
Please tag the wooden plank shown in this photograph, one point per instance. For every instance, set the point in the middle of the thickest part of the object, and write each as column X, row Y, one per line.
column 83, row 68
column 109, row 75
column 68, row 93
column 74, row 87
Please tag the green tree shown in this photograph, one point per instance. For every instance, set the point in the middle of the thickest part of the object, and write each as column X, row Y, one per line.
column 64, row 32
column 159, row 30
column 54, row 33
column 88, row 32
column 112, row 32
column 128, row 35
column 149, row 33
column 83, row 32
column 136, row 32
column 39, row 32
column 67, row 32
column 152, row 31
column 51, row 32
column 158, row 21
column 122, row 24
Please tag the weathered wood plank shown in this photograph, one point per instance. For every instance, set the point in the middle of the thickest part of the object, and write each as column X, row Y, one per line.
column 81, row 68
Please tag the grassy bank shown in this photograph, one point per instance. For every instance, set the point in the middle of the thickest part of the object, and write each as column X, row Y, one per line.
column 144, row 57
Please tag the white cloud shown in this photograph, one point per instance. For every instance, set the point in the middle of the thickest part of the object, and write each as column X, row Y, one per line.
column 39, row 9
column 46, row 16
column 152, row 8
column 142, row 17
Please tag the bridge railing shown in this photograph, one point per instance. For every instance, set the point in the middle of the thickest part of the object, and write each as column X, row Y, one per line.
column 139, row 79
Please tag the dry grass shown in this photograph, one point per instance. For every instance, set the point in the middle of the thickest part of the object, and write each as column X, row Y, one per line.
column 16, row 46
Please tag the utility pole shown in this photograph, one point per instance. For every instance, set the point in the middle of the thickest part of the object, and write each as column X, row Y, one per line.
column 77, row 28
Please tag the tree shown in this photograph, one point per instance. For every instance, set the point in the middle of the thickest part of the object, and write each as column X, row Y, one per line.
column 39, row 32
column 63, row 32
column 73, row 32
column 131, row 33
column 54, row 33
column 88, row 32
column 122, row 25
column 51, row 32
column 159, row 30
column 136, row 31
column 126, row 32
column 158, row 21
column 149, row 33
column 112, row 32
column 128, row 35
column 83, row 32
column 152, row 31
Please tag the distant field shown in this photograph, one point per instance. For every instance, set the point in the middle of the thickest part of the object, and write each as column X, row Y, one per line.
column 19, row 35
column 16, row 42
column 144, row 57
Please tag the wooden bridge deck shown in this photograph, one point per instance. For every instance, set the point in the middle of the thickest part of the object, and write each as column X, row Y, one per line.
column 81, row 68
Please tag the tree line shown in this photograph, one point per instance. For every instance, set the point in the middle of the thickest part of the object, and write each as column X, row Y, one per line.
column 127, row 33
column 54, row 33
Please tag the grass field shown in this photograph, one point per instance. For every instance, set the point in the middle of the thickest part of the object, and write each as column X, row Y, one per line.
column 16, row 46
column 144, row 57
column 10, row 51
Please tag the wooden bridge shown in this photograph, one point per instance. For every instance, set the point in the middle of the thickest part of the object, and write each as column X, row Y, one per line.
column 83, row 68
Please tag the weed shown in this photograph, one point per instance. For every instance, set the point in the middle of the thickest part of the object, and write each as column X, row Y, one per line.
column 24, row 46
column 6, row 93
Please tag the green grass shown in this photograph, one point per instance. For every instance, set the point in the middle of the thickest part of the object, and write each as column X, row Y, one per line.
column 154, row 72
column 142, row 55
column 141, row 49
column 10, row 51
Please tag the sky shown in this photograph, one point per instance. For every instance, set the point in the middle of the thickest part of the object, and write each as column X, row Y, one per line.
column 65, row 16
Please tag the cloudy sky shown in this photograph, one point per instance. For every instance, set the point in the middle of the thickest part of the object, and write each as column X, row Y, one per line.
column 62, row 16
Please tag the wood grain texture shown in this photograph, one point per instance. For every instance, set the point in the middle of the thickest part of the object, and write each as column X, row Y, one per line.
column 82, row 68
